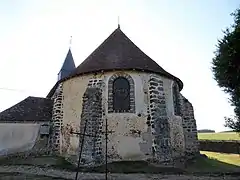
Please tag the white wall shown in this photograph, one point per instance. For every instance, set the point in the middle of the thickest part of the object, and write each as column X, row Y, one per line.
column 17, row 137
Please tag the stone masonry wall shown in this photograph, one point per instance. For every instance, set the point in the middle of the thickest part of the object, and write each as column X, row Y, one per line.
column 92, row 118
column 189, row 127
column 175, row 121
column 176, row 99
column 57, row 118
column 177, row 136
column 158, row 120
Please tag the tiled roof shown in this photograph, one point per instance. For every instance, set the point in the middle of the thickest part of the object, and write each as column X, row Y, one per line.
column 118, row 52
column 30, row 109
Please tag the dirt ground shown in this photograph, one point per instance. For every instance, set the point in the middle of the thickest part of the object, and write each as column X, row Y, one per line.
column 37, row 173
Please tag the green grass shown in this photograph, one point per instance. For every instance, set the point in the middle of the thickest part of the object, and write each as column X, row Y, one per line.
column 211, row 165
column 233, row 159
column 215, row 163
column 219, row 136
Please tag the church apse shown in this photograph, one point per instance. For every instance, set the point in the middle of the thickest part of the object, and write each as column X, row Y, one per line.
column 140, row 129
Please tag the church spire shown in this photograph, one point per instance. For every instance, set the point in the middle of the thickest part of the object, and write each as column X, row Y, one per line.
column 68, row 66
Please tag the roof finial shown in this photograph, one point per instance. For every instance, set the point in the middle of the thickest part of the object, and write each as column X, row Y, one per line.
column 118, row 23
column 70, row 42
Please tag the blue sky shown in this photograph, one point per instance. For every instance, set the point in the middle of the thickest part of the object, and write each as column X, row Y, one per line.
column 178, row 34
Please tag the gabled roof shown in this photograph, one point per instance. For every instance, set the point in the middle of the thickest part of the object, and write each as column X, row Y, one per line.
column 118, row 52
column 67, row 67
column 30, row 109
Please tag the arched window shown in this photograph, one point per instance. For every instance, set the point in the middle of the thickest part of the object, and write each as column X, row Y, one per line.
column 121, row 95
column 176, row 100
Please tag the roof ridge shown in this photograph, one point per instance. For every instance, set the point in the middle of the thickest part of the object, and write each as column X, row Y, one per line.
column 101, row 45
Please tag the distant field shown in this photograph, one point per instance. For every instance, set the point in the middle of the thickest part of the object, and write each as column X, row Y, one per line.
column 219, row 136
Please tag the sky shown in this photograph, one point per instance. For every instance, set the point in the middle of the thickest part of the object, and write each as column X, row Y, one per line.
column 180, row 35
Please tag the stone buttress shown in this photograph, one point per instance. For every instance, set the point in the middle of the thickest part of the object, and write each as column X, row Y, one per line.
column 57, row 121
column 189, row 127
column 158, row 120
column 92, row 118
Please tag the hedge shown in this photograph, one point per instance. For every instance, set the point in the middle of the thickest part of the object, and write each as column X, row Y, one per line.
column 220, row 146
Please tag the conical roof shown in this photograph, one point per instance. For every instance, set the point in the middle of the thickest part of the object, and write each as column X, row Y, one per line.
column 118, row 52
column 67, row 67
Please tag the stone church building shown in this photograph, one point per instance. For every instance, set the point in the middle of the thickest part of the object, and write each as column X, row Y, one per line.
column 147, row 116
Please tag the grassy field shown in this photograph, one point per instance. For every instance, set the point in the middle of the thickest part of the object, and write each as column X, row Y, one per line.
column 219, row 136
column 233, row 159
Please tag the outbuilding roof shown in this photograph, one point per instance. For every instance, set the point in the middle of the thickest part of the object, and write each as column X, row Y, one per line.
column 33, row 109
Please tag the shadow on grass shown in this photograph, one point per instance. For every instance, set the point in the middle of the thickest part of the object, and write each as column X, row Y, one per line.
column 210, row 165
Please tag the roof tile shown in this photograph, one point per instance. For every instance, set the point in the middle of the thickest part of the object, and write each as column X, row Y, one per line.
column 30, row 109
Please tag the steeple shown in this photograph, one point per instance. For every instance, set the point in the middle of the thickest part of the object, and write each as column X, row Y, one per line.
column 67, row 67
